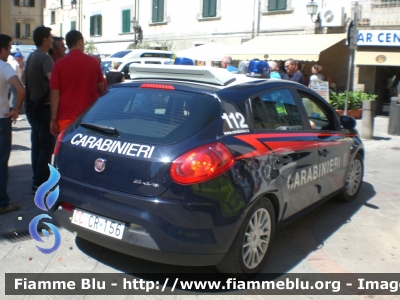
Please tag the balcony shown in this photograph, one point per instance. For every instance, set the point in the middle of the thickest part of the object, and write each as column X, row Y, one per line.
column 377, row 13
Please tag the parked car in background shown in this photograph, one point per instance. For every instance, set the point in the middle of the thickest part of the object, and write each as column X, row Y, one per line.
column 196, row 166
column 126, row 55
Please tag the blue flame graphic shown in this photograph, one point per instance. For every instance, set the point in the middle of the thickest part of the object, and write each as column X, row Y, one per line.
column 51, row 198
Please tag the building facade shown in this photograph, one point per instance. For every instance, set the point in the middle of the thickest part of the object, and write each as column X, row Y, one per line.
column 115, row 25
column 18, row 19
column 377, row 61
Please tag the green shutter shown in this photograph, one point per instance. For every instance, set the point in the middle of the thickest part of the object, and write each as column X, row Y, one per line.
column 92, row 25
column 126, row 20
column 32, row 3
column 281, row 5
column 271, row 5
column 16, row 2
column 154, row 16
column 213, row 8
column 276, row 5
column 73, row 25
column 99, row 24
column 206, row 8
column 160, row 11
column 17, row 30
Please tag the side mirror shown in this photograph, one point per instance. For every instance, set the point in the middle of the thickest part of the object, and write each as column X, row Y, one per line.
column 348, row 122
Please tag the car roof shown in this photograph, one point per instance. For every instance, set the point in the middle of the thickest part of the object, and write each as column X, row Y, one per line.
column 216, row 77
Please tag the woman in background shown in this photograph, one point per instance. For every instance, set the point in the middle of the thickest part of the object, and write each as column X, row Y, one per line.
column 114, row 76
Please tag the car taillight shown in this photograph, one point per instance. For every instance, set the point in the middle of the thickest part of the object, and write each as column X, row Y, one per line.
column 66, row 206
column 157, row 86
column 58, row 142
column 201, row 164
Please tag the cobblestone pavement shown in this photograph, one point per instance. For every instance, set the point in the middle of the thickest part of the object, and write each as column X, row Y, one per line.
column 361, row 236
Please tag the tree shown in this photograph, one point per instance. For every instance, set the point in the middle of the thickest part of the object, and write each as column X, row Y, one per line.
column 90, row 48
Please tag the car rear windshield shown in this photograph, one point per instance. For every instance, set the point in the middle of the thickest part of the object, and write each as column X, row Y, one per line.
column 120, row 54
column 153, row 116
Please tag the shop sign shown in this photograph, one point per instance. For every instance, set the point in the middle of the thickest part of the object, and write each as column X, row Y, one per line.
column 321, row 87
column 378, row 38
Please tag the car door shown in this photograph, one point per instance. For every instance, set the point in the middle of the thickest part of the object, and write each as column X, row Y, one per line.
column 282, row 129
column 333, row 144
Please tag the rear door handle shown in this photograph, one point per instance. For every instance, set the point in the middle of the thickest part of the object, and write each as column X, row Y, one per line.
column 285, row 159
column 323, row 152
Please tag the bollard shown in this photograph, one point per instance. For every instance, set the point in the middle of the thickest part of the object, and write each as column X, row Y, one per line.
column 368, row 117
column 394, row 117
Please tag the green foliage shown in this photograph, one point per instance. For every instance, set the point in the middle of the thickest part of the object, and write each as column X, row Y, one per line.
column 90, row 48
column 355, row 100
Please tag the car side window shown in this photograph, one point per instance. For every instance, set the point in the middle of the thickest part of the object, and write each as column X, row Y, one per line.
column 319, row 116
column 259, row 114
column 282, row 109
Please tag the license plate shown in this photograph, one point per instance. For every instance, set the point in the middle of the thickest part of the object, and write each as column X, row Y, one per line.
column 98, row 223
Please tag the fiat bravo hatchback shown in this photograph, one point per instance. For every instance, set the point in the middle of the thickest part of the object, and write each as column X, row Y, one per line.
column 196, row 166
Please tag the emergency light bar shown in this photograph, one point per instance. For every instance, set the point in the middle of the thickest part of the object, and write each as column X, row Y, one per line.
column 178, row 72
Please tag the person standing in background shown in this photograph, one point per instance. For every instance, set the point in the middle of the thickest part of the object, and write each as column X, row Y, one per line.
column 273, row 70
column 114, row 76
column 226, row 63
column 292, row 73
column 58, row 49
column 37, row 77
column 7, row 77
column 73, row 91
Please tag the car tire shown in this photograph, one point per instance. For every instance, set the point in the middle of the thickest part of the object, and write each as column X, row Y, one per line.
column 250, row 249
column 353, row 179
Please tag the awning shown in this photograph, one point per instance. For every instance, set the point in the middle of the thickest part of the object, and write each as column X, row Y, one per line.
column 377, row 58
column 206, row 52
column 281, row 47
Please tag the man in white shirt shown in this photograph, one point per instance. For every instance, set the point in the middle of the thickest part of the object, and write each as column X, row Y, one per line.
column 7, row 77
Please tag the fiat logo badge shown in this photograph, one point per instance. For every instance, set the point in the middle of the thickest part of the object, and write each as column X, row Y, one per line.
column 99, row 165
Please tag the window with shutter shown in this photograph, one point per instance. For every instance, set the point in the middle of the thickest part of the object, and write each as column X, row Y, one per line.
column 32, row 3
column 126, row 20
column 53, row 17
column 209, row 8
column 17, row 30
column 27, row 30
column 276, row 5
column 96, row 25
column 158, row 11
column 92, row 25
column 73, row 25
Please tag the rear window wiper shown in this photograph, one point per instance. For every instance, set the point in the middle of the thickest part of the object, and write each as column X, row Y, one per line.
column 101, row 128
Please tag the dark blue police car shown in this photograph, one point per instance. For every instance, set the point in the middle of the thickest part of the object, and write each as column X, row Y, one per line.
column 197, row 166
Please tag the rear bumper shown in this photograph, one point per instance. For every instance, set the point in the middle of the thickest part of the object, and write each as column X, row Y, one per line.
column 176, row 232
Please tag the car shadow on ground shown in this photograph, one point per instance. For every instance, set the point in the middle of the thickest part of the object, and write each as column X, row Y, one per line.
column 289, row 248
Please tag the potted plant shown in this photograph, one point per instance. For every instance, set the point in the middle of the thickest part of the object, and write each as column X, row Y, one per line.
column 354, row 104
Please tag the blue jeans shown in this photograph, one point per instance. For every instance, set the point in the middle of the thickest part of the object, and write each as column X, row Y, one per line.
column 42, row 145
column 5, row 150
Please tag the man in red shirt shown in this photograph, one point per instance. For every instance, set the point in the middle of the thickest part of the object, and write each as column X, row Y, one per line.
column 76, row 82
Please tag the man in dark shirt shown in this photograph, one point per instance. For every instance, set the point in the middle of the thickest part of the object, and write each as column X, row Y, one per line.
column 291, row 73
column 37, row 79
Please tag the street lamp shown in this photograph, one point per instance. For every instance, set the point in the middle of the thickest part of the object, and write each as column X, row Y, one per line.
column 136, row 28
column 312, row 9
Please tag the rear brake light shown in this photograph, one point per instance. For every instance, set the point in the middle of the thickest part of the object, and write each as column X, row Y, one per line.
column 58, row 142
column 157, row 86
column 66, row 206
column 201, row 164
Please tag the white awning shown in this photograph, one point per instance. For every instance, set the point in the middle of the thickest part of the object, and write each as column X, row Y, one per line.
column 206, row 52
column 281, row 47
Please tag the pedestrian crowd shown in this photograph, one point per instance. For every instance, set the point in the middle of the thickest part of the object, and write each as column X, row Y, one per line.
column 54, row 88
